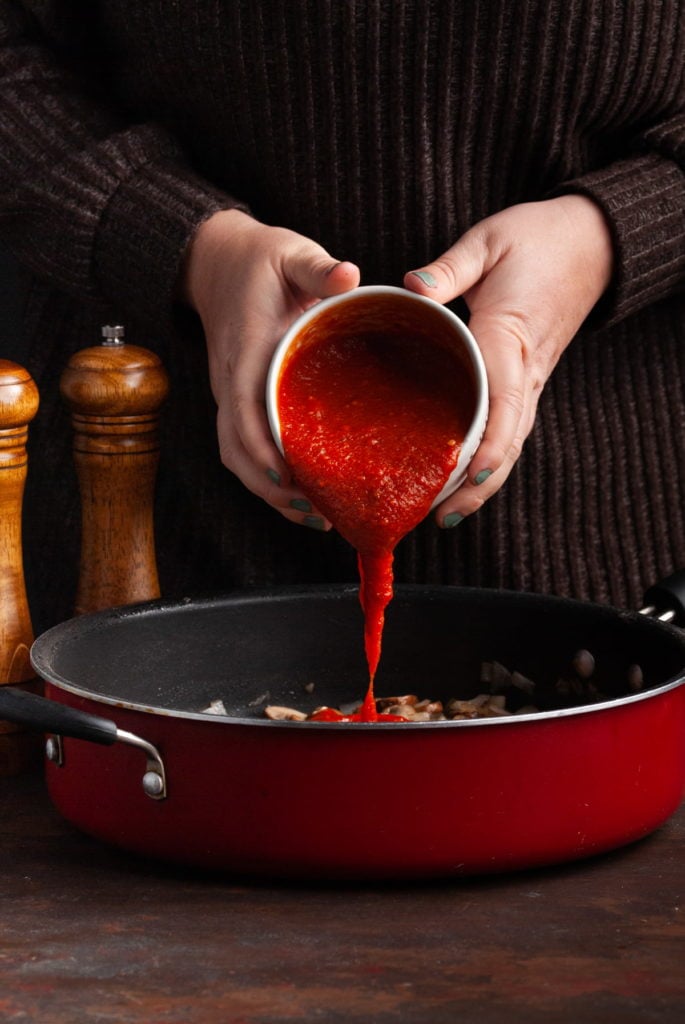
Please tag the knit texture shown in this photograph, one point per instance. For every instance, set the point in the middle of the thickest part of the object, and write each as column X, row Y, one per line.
column 383, row 129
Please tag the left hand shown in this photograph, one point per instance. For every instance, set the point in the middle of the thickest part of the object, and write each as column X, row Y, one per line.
column 248, row 282
column 530, row 275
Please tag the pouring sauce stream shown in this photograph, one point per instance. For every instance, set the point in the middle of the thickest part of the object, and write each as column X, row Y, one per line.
column 372, row 422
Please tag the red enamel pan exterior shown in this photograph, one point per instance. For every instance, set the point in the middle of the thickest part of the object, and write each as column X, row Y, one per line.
column 286, row 799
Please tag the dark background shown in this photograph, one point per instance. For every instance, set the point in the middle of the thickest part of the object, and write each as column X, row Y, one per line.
column 12, row 291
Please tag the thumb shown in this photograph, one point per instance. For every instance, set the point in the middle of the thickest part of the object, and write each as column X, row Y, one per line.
column 452, row 274
column 316, row 274
column 341, row 277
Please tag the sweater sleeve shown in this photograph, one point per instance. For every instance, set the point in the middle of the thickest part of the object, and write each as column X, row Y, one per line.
column 94, row 205
column 643, row 199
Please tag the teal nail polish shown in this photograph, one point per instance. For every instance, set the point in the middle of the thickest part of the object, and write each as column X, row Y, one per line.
column 481, row 477
column 426, row 277
column 453, row 519
column 314, row 522
column 274, row 477
column 301, row 504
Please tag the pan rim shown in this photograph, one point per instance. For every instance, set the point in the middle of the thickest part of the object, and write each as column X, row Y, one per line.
column 44, row 644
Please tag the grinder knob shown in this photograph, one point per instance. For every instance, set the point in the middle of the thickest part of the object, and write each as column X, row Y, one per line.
column 115, row 391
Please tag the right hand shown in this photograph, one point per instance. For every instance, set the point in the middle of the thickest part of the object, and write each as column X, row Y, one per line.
column 248, row 282
column 530, row 275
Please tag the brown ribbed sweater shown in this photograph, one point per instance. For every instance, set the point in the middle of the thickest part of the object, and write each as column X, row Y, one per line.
column 382, row 130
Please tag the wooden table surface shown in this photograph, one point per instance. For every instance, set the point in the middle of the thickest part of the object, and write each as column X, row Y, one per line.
column 89, row 934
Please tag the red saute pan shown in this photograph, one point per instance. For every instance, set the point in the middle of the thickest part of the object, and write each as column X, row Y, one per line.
column 134, row 759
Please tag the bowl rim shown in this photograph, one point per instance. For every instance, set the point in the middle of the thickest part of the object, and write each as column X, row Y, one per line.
column 475, row 432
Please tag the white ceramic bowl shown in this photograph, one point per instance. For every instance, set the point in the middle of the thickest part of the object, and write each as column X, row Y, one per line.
column 397, row 303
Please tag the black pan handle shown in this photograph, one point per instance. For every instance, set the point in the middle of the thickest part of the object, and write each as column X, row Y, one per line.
column 666, row 597
column 42, row 715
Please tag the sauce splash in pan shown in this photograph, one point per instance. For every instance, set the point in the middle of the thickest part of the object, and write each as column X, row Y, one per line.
column 373, row 414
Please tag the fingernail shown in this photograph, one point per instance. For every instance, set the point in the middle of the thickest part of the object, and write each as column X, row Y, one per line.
column 452, row 519
column 426, row 277
column 301, row 504
column 274, row 477
column 331, row 269
column 481, row 477
column 314, row 522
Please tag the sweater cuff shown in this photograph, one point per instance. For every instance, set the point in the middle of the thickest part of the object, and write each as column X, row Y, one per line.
column 643, row 200
column 143, row 235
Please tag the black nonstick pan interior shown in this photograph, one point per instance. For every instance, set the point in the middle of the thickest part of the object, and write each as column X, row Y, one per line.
column 304, row 648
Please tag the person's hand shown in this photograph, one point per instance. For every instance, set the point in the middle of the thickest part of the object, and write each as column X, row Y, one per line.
column 248, row 282
column 530, row 275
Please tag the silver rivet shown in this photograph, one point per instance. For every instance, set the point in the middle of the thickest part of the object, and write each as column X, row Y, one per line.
column 52, row 749
column 153, row 784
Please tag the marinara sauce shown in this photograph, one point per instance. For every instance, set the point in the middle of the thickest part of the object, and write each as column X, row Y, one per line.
column 373, row 410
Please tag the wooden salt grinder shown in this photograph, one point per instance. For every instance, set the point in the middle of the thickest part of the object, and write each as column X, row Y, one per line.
column 18, row 406
column 115, row 391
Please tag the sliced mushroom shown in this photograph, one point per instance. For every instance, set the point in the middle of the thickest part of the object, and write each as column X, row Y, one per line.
column 281, row 714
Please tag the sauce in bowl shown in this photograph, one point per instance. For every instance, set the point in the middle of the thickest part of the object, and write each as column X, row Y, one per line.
column 374, row 405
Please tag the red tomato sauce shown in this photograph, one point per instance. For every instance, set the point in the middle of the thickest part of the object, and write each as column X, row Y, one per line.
column 372, row 423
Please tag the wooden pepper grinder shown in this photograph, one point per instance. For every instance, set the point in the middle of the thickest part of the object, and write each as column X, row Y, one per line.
column 115, row 391
column 18, row 406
